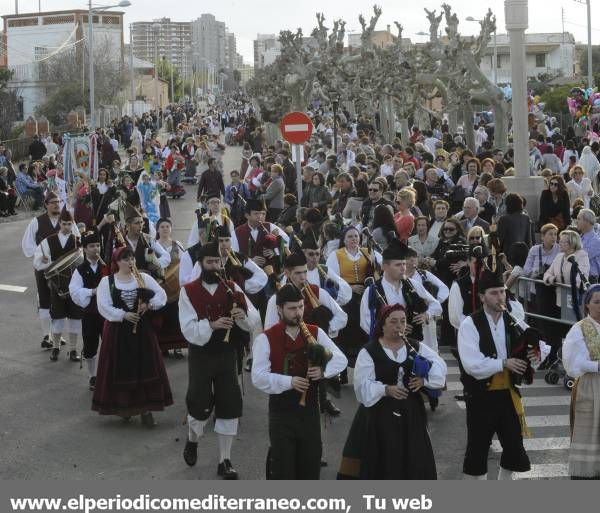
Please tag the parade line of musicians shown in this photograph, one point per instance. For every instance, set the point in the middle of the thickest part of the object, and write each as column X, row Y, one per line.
column 260, row 298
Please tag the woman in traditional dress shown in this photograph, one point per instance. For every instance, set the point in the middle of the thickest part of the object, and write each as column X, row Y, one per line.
column 389, row 438
column 167, row 319
column 581, row 356
column 131, row 377
column 354, row 264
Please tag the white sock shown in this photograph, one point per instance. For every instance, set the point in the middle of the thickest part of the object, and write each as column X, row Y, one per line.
column 56, row 340
column 46, row 327
column 505, row 475
column 91, row 366
column 225, row 443
column 195, row 428
column 468, row 477
column 73, row 341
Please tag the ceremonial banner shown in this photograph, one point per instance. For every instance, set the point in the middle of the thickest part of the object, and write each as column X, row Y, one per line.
column 80, row 156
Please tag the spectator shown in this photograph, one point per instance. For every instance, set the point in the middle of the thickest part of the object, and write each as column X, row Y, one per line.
column 274, row 192
column 516, row 258
column 27, row 186
column 589, row 163
column 486, row 209
column 586, row 219
column 354, row 205
column 471, row 216
column 345, row 189
column 211, row 181
column 497, row 194
column 440, row 213
column 376, row 190
column 423, row 242
column 404, row 220
column 551, row 161
column 288, row 214
column 554, row 204
column 383, row 224
column 37, row 149
column 8, row 196
column 514, row 226
column 317, row 196
column 579, row 186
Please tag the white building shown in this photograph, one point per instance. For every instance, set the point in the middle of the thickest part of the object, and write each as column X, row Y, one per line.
column 33, row 37
column 545, row 54
column 266, row 47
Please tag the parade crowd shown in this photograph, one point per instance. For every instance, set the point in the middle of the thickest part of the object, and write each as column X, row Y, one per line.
column 395, row 248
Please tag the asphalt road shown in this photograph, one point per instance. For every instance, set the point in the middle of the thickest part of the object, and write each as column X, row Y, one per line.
column 48, row 431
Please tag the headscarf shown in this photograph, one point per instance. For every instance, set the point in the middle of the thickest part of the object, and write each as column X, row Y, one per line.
column 589, row 163
column 384, row 313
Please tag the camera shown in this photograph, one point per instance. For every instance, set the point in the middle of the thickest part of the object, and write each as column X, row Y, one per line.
column 460, row 252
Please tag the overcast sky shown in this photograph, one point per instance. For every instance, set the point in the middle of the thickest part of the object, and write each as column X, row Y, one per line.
column 246, row 18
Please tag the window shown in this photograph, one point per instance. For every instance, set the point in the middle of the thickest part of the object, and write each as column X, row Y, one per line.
column 23, row 22
column 540, row 60
column 40, row 52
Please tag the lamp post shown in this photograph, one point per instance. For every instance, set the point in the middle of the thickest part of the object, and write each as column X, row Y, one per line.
column 494, row 55
column 91, row 11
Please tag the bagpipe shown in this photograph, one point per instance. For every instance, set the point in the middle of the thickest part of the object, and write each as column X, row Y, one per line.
column 526, row 340
column 420, row 367
column 415, row 305
column 236, row 299
column 316, row 354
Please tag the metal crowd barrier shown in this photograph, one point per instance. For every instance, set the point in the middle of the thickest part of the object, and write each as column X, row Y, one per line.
column 567, row 314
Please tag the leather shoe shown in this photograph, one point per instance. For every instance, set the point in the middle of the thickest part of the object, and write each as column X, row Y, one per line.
column 73, row 356
column 433, row 403
column 323, row 463
column 178, row 354
column 190, row 453
column 54, row 354
column 148, row 420
column 248, row 366
column 92, row 383
column 344, row 377
column 226, row 471
column 47, row 343
column 459, row 397
column 332, row 409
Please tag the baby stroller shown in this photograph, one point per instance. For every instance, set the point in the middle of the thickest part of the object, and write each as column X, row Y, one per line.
column 556, row 371
column 175, row 190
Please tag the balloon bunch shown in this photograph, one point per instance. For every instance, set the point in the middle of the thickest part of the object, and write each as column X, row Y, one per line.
column 584, row 105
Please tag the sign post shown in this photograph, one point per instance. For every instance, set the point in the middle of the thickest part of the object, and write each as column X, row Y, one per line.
column 296, row 128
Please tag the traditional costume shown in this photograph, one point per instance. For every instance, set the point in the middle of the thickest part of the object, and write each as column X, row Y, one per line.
column 82, row 289
column 388, row 438
column 581, row 354
column 131, row 378
column 213, row 359
column 65, row 314
column 279, row 354
column 212, row 222
column 493, row 402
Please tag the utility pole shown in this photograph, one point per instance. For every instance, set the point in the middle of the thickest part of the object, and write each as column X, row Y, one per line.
column 131, row 74
column 590, row 74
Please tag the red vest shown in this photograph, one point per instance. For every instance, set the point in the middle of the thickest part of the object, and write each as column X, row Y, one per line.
column 207, row 306
column 249, row 246
column 288, row 356
column 308, row 308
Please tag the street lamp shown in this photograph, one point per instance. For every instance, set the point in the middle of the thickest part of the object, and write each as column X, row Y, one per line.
column 495, row 54
column 91, row 11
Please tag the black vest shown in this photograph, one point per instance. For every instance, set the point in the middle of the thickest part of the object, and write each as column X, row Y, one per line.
column 45, row 228
column 409, row 300
column 56, row 250
column 91, row 280
column 465, row 286
column 488, row 348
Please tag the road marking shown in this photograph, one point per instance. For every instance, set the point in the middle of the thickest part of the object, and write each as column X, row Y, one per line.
column 546, row 400
column 539, row 444
column 457, row 385
column 544, row 471
column 547, row 420
column 296, row 128
column 12, row 288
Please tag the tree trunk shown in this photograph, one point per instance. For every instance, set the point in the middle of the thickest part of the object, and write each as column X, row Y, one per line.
column 404, row 130
column 271, row 133
column 468, row 114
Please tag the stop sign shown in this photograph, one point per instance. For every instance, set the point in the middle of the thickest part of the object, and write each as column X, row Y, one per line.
column 296, row 127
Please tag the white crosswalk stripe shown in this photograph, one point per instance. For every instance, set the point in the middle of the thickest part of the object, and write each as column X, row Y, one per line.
column 548, row 447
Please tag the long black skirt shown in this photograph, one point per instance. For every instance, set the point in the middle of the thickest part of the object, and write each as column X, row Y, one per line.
column 131, row 377
column 352, row 338
column 389, row 441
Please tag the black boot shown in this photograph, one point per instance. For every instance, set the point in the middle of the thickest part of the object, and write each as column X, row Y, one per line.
column 332, row 409
column 148, row 420
column 73, row 356
column 178, row 354
column 226, row 471
column 344, row 377
column 190, row 453
column 433, row 402
column 92, row 383
column 54, row 354
column 47, row 343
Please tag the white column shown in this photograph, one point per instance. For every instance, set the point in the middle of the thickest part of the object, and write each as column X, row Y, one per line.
column 516, row 12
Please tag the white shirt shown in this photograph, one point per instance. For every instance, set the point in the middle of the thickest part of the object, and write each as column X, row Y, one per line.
column 575, row 354
column 186, row 268
column 198, row 331
column 394, row 296
column 252, row 285
column 272, row 383
column 313, row 277
column 28, row 244
column 443, row 291
column 435, row 228
column 79, row 294
column 194, row 236
column 473, row 360
column 163, row 257
column 43, row 250
column 369, row 391
column 104, row 299
column 338, row 321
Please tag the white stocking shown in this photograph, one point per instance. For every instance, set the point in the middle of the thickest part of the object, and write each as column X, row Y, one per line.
column 195, row 428
column 225, row 443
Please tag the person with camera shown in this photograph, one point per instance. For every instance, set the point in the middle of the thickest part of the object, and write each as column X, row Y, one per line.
column 494, row 406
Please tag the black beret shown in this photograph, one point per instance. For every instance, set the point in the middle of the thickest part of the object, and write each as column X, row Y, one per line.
column 296, row 259
column 288, row 294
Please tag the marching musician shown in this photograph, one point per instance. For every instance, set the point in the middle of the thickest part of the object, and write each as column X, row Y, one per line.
column 131, row 378
column 167, row 318
column 494, row 405
column 213, row 312
column 432, row 284
column 389, row 438
column 354, row 265
column 38, row 229
column 65, row 314
column 214, row 217
column 282, row 369
column 237, row 267
column 82, row 289
column 322, row 276
column 394, row 288
column 149, row 256
column 190, row 256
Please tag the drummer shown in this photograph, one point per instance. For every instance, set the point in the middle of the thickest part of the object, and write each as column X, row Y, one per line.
column 64, row 313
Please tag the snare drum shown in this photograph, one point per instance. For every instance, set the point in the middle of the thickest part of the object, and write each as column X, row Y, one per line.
column 59, row 273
